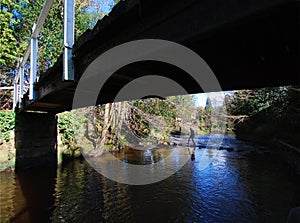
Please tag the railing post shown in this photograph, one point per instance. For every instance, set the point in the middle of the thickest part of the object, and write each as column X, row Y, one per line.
column 21, row 82
column 21, row 86
column 69, row 17
column 33, row 65
column 15, row 94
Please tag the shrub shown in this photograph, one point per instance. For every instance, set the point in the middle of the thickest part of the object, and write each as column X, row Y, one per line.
column 7, row 123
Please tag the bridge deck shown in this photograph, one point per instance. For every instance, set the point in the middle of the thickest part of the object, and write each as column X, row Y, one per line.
column 248, row 44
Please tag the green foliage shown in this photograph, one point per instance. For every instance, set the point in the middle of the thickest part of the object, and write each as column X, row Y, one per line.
column 251, row 102
column 155, row 106
column 184, row 105
column 212, row 118
column 10, row 46
column 178, row 113
column 68, row 124
column 208, row 115
column 205, row 119
column 273, row 113
column 208, row 105
column 140, row 121
column 7, row 124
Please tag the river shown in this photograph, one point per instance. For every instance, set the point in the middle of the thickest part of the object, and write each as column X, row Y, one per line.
column 237, row 186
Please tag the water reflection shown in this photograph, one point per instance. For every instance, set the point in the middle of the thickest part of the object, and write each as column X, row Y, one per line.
column 27, row 196
column 235, row 187
column 7, row 194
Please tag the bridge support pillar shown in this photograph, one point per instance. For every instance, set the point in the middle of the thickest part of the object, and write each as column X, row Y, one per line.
column 35, row 139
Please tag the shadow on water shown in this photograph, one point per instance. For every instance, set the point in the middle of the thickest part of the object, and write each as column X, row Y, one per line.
column 27, row 196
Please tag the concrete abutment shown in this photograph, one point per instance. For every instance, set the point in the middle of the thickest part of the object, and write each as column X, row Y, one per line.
column 35, row 139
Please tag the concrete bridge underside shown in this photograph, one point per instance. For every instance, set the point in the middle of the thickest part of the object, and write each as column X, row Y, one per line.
column 248, row 44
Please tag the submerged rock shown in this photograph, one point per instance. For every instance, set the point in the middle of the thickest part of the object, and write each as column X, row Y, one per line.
column 229, row 149
column 221, row 148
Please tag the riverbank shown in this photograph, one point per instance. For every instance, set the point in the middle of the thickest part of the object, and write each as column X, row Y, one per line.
column 291, row 155
column 7, row 154
column 288, row 147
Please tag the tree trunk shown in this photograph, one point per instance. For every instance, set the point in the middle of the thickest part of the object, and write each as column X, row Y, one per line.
column 106, row 124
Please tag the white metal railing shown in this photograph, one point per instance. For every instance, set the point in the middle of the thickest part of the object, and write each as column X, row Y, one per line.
column 7, row 88
column 32, row 50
